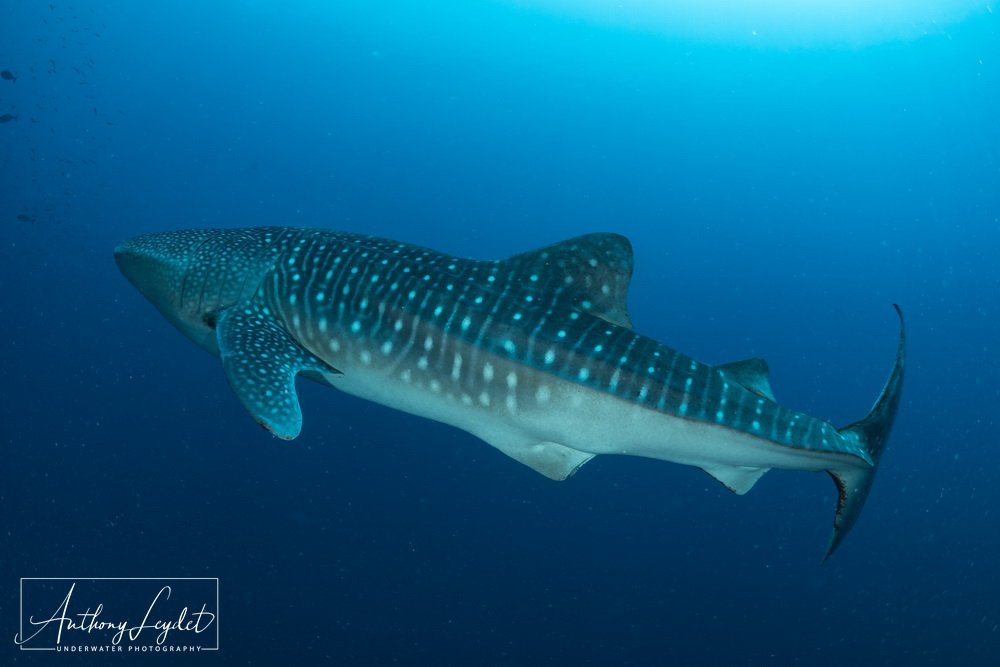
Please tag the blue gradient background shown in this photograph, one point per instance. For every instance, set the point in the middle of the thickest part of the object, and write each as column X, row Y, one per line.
column 779, row 201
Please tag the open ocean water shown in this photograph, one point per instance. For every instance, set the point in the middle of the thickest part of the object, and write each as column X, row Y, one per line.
column 780, row 194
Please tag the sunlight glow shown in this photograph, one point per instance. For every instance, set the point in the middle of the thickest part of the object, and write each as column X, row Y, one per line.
column 775, row 22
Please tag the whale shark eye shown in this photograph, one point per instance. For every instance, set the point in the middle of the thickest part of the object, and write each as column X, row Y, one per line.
column 209, row 319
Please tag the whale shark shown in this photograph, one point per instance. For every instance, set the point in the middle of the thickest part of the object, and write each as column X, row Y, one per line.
column 534, row 354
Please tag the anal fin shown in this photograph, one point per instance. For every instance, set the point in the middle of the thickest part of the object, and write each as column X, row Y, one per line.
column 738, row 479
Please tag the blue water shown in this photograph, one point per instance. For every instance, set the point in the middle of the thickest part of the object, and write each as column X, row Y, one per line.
column 779, row 200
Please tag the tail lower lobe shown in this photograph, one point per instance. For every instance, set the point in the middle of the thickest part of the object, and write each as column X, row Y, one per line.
column 873, row 433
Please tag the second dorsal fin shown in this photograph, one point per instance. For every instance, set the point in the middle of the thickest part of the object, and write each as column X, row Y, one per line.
column 752, row 374
column 594, row 270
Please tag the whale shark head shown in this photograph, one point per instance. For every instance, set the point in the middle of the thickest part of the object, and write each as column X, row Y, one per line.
column 191, row 276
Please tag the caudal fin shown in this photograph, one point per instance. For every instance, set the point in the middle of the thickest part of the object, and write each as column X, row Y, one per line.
column 872, row 433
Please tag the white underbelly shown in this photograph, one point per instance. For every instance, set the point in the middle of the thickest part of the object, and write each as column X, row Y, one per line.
column 574, row 416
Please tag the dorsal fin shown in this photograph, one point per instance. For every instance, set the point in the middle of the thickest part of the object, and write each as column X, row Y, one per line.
column 594, row 269
column 752, row 374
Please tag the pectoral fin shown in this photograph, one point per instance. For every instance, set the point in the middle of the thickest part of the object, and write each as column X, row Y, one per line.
column 261, row 361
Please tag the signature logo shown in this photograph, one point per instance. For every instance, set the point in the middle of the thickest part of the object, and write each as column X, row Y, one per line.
column 119, row 615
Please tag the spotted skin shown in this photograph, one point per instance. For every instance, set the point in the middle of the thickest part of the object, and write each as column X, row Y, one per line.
column 508, row 349
column 413, row 305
